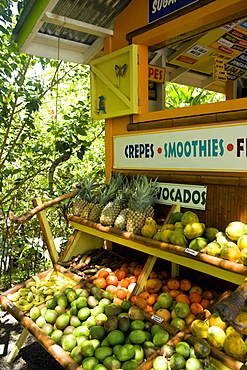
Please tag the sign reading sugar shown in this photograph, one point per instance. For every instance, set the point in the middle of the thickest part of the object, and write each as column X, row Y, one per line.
column 185, row 195
column 161, row 8
column 205, row 148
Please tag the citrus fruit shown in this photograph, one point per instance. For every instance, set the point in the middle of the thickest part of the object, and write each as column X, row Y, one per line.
column 193, row 364
column 183, row 348
column 160, row 363
column 165, row 300
column 177, row 361
column 89, row 363
column 178, row 322
column 182, row 309
column 160, row 338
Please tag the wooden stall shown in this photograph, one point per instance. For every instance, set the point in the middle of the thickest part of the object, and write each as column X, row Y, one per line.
column 198, row 153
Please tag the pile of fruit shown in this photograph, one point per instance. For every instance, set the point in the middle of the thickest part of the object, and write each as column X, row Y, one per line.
column 102, row 335
column 39, row 290
column 122, row 203
column 186, row 230
column 223, row 336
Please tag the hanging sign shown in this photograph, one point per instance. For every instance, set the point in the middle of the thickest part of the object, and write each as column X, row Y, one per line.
column 161, row 8
column 156, row 74
column 190, row 196
column 207, row 148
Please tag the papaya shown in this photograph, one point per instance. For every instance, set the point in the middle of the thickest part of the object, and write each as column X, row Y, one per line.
column 242, row 317
column 178, row 238
column 194, row 229
column 189, row 217
column 167, row 227
column 165, row 235
column 242, row 242
column 198, row 244
column 235, row 346
column 213, row 249
column 176, row 217
column 199, row 329
column 230, row 252
column 235, row 229
column 222, row 238
column 243, row 256
column 216, row 337
column 210, row 233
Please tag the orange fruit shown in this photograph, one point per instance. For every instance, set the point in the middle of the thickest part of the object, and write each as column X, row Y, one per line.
column 164, row 314
column 144, row 295
column 205, row 303
column 185, row 285
column 111, row 288
column 132, row 279
column 196, row 308
column 124, row 283
column 195, row 297
column 207, row 294
column 112, row 280
column 141, row 302
column 151, row 299
column 153, row 275
column 133, row 299
column 165, row 274
column 173, row 283
column 121, row 293
column 103, row 274
column 182, row 298
column 148, row 309
column 101, row 282
column 120, row 274
column 137, row 271
column 175, row 292
column 165, row 289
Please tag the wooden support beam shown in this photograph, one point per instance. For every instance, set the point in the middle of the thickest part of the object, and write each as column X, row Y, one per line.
column 176, row 73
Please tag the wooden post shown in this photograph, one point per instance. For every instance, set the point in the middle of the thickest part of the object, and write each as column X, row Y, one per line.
column 45, row 228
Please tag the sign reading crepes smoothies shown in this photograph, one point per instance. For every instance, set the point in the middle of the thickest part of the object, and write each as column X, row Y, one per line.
column 207, row 148
column 190, row 196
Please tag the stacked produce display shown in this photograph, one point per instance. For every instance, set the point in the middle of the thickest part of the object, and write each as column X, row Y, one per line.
column 129, row 205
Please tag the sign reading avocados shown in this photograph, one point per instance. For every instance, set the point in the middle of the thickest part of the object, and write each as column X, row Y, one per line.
column 207, row 148
column 186, row 195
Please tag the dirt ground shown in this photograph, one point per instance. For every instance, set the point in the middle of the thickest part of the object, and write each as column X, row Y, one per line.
column 32, row 355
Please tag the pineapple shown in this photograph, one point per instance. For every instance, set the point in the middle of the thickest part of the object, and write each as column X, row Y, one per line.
column 113, row 208
column 121, row 220
column 105, row 194
column 83, row 197
column 139, row 203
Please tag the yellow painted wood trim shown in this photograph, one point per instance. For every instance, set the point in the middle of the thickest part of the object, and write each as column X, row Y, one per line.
column 142, row 278
column 110, row 85
column 155, row 252
column 45, row 228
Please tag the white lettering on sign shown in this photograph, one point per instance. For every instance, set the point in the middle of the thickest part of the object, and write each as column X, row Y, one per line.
column 159, row 4
column 190, row 196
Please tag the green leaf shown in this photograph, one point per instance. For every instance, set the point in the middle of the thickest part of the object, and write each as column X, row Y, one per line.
column 3, row 30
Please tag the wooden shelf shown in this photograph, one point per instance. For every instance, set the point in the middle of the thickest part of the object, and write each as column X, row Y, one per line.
column 222, row 269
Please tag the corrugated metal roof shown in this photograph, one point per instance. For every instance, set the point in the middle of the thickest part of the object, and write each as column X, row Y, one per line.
column 53, row 25
column 97, row 12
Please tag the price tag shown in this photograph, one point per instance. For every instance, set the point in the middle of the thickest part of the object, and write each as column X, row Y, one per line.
column 191, row 251
column 157, row 318
column 10, row 305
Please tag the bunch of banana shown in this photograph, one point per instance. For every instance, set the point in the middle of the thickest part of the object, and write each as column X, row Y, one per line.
column 38, row 291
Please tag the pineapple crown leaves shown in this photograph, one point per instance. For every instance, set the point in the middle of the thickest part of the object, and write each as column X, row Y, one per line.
column 144, row 193
column 87, row 189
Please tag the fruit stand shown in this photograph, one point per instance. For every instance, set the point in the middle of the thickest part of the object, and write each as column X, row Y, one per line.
column 195, row 156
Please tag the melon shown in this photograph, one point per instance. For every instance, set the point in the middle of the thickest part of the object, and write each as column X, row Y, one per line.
column 235, row 229
column 189, row 217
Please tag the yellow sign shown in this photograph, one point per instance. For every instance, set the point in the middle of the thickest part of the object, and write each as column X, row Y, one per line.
column 156, row 74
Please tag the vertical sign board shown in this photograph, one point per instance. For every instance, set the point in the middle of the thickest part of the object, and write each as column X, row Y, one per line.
column 161, row 8
column 205, row 148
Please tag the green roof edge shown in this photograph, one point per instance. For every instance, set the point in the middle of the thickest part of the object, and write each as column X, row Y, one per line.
column 30, row 21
